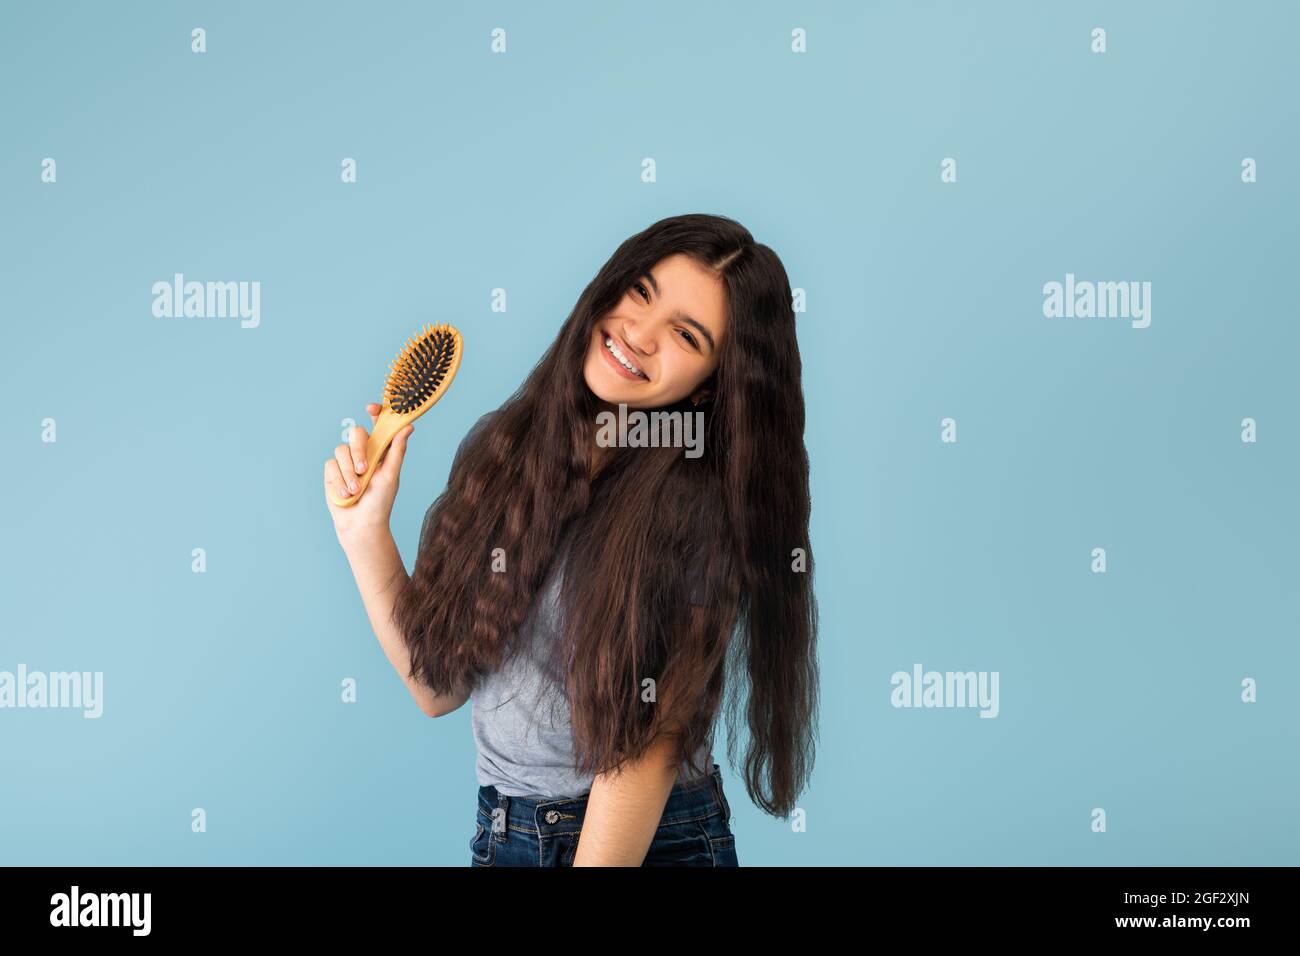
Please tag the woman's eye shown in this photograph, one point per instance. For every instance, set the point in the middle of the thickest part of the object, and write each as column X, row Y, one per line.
column 642, row 290
column 689, row 338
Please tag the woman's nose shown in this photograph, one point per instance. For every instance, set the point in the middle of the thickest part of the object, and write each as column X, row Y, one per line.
column 639, row 338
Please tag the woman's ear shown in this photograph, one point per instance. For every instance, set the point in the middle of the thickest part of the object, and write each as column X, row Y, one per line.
column 704, row 392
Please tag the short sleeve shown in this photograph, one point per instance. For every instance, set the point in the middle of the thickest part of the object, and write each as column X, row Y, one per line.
column 470, row 437
column 465, row 443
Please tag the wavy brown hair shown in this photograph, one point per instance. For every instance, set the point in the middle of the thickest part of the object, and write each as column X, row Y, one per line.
column 733, row 517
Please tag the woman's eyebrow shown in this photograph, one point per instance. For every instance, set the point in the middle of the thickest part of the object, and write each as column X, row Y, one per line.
column 703, row 331
column 682, row 316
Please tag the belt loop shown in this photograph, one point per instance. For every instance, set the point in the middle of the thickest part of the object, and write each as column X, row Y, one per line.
column 715, row 777
column 503, row 804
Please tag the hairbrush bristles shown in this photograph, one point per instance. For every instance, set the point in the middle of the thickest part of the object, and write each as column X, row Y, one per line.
column 420, row 370
column 417, row 378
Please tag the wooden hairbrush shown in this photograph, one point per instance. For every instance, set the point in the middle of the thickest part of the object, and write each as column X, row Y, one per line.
column 417, row 378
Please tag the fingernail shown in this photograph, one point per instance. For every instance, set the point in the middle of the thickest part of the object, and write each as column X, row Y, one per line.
column 353, row 486
column 361, row 464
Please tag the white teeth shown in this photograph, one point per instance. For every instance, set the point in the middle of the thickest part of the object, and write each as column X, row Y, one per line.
column 623, row 360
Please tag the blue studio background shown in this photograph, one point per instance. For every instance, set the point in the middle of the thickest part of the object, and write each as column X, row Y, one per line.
column 522, row 170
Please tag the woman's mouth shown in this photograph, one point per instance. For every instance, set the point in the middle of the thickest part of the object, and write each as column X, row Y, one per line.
column 619, row 361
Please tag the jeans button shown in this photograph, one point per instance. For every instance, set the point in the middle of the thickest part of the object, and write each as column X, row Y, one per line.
column 551, row 816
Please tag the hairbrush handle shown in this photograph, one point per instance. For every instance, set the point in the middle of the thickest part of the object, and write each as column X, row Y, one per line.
column 387, row 425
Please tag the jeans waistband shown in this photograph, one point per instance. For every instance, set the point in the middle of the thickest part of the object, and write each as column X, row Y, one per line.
column 692, row 799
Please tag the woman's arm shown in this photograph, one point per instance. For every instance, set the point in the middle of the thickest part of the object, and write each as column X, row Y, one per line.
column 363, row 533
column 380, row 574
column 624, row 808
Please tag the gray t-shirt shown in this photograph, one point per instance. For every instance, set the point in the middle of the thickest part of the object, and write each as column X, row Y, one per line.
column 520, row 715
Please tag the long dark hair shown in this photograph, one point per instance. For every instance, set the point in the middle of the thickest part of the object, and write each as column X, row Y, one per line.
column 737, row 517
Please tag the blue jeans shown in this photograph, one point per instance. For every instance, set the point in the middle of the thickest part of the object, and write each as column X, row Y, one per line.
column 695, row 829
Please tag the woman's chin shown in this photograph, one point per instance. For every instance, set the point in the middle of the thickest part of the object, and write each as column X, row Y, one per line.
column 610, row 396
column 601, row 384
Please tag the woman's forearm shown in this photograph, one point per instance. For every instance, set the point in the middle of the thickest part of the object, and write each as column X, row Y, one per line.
column 624, row 809
column 380, row 574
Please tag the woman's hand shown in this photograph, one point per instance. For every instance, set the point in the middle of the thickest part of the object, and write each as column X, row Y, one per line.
column 342, row 476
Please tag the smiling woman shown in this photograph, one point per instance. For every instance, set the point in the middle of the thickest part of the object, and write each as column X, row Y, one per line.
column 601, row 603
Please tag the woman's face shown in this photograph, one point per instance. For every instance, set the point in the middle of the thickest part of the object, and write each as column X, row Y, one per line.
column 668, row 326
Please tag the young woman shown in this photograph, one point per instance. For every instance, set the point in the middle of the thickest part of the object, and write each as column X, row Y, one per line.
column 600, row 599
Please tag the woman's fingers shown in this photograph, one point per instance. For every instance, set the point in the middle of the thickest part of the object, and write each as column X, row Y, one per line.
column 374, row 408
column 334, row 480
column 343, row 458
column 357, row 439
